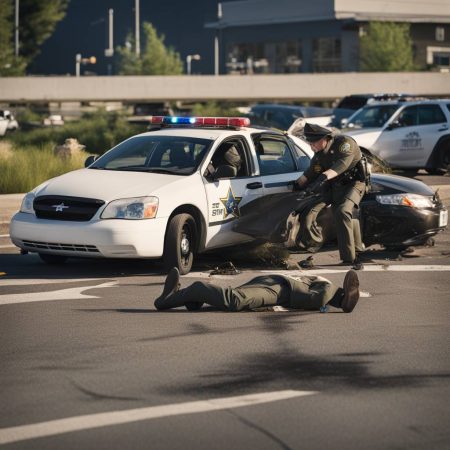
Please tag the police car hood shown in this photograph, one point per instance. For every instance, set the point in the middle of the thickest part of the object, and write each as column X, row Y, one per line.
column 365, row 138
column 107, row 184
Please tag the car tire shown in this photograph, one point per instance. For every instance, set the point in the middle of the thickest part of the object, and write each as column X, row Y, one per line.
column 53, row 259
column 179, row 246
column 442, row 160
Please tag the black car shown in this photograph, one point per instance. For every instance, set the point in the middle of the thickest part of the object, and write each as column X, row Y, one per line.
column 397, row 212
column 282, row 116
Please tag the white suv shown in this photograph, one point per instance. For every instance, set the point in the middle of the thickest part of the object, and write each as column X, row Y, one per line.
column 405, row 134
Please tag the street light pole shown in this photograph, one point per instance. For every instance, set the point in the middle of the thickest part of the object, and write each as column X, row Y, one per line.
column 137, row 31
column 16, row 30
column 189, row 59
column 216, row 41
column 77, row 64
column 80, row 60
column 111, row 25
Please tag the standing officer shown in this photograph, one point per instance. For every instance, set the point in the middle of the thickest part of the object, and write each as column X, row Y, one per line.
column 337, row 172
column 266, row 291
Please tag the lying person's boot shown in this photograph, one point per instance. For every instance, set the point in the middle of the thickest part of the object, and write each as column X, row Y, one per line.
column 171, row 285
column 351, row 291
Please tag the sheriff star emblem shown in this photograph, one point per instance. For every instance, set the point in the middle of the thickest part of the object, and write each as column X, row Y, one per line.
column 231, row 204
column 60, row 208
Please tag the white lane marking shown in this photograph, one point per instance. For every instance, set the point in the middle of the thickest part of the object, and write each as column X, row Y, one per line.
column 8, row 246
column 62, row 294
column 4, row 235
column 77, row 423
column 35, row 281
column 367, row 268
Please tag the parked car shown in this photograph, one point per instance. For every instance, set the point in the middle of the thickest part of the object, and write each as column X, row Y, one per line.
column 11, row 122
column 53, row 120
column 351, row 103
column 167, row 193
column 282, row 116
column 405, row 134
column 3, row 126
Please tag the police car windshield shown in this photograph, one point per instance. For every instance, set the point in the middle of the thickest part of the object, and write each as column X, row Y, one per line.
column 160, row 154
column 372, row 116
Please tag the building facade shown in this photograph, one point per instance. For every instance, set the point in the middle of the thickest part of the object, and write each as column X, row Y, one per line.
column 292, row 36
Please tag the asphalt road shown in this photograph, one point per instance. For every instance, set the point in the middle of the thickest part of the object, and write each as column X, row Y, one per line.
column 86, row 362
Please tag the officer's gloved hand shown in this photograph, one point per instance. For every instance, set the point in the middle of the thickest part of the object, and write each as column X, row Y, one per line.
column 318, row 185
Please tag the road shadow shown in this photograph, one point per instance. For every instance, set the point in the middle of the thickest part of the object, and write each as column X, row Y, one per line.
column 291, row 368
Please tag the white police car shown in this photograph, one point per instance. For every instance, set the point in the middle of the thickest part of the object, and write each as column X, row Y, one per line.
column 166, row 193
column 405, row 134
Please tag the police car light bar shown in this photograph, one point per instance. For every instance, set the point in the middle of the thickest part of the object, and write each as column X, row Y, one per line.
column 201, row 121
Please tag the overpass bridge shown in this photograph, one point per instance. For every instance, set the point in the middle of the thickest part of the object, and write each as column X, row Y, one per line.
column 196, row 88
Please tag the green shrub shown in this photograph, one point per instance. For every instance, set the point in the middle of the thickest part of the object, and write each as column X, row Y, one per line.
column 97, row 131
column 23, row 170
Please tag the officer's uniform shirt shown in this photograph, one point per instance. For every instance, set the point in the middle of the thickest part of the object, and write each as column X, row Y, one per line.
column 341, row 154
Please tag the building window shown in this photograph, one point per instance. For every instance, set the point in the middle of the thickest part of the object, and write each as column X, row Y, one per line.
column 441, row 59
column 327, row 55
column 288, row 57
column 440, row 34
column 246, row 59
column 265, row 57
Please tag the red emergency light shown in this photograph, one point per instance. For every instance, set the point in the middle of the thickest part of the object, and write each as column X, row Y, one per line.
column 235, row 122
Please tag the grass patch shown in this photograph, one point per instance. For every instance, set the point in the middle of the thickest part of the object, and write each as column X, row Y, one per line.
column 98, row 131
column 27, row 159
column 22, row 170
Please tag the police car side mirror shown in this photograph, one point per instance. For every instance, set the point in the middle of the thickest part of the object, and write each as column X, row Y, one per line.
column 225, row 172
column 393, row 125
column 90, row 160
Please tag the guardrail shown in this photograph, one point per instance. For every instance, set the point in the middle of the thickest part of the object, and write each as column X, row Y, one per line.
column 305, row 87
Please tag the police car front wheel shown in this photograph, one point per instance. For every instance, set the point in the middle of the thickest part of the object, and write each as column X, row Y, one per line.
column 180, row 243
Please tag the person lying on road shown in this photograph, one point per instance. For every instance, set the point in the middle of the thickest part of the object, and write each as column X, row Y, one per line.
column 261, row 293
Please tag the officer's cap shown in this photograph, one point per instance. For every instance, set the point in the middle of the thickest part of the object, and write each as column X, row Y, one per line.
column 313, row 132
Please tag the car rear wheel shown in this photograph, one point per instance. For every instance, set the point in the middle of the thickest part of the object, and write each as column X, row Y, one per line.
column 442, row 161
column 181, row 238
column 53, row 259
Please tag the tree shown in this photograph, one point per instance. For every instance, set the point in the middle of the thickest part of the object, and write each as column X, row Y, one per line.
column 387, row 47
column 37, row 21
column 9, row 65
column 155, row 58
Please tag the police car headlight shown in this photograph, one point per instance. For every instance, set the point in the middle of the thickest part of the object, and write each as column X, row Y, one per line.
column 412, row 200
column 27, row 203
column 135, row 208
